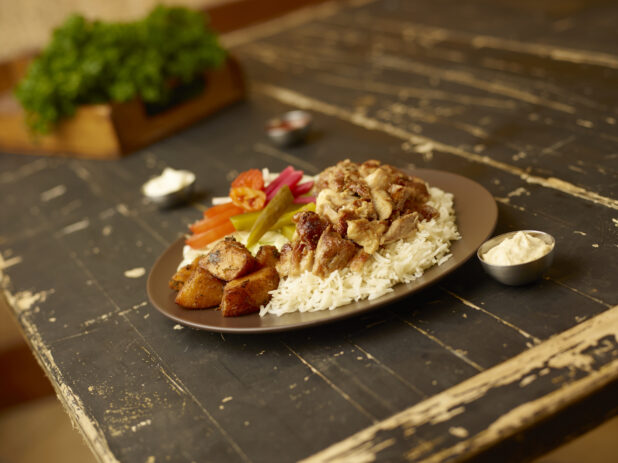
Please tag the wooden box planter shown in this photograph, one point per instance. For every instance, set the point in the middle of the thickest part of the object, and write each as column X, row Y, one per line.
column 107, row 131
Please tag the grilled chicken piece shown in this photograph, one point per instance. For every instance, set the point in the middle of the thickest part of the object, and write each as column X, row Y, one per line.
column 200, row 291
column 401, row 228
column 183, row 275
column 358, row 261
column 382, row 203
column 296, row 258
column 368, row 167
column 327, row 203
column 399, row 195
column 378, row 179
column 332, row 253
column 228, row 260
column 245, row 295
column 338, row 208
column 366, row 233
column 425, row 211
column 309, row 227
column 267, row 256
column 420, row 194
column 344, row 177
column 370, row 204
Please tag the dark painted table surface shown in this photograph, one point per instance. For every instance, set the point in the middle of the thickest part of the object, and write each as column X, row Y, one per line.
column 519, row 96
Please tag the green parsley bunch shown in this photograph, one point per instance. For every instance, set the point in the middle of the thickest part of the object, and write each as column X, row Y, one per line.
column 96, row 62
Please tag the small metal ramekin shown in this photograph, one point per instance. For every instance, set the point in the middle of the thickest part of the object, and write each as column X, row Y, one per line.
column 290, row 128
column 518, row 274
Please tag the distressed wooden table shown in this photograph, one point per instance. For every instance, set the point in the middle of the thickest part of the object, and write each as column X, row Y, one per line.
column 518, row 96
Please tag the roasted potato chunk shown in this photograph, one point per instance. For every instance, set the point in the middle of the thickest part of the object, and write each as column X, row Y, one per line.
column 267, row 256
column 245, row 295
column 200, row 291
column 228, row 260
column 182, row 275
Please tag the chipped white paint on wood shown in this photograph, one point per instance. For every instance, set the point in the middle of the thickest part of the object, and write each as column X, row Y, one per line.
column 304, row 102
column 24, row 171
column 53, row 193
column 23, row 301
column 566, row 350
column 342, row 393
column 135, row 272
column 75, row 227
column 456, row 352
column 288, row 21
column 73, row 405
column 296, row 99
column 414, row 31
column 492, row 315
column 6, row 263
column 465, row 78
column 413, row 92
column 287, row 157
column 581, row 293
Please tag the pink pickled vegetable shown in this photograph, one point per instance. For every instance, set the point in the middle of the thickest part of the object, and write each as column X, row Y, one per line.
column 279, row 180
column 302, row 188
column 291, row 181
column 304, row 199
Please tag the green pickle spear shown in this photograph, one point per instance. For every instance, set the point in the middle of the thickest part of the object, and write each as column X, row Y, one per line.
column 273, row 210
column 286, row 219
column 245, row 221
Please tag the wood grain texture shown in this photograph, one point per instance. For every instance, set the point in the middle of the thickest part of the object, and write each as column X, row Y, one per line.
column 466, row 369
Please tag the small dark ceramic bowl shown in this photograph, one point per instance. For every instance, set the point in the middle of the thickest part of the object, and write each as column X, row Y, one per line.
column 290, row 128
column 518, row 274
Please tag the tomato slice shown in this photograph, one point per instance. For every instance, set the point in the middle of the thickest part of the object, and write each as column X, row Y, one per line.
column 251, row 178
column 248, row 198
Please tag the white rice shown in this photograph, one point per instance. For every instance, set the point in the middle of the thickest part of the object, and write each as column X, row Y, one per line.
column 399, row 262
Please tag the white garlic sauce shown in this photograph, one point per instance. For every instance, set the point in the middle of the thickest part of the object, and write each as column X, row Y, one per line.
column 522, row 247
column 169, row 181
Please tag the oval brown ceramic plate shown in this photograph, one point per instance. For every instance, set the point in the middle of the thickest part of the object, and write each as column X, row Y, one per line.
column 476, row 214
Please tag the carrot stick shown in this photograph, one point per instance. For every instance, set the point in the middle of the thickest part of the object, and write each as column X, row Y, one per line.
column 202, row 239
column 210, row 222
column 227, row 208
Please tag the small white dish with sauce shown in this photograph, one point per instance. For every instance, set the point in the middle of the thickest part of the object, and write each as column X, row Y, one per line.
column 518, row 257
column 171, row 188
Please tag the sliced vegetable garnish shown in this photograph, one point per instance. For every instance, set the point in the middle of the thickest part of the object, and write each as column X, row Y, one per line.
column 202, row 239
column 248, row 198
column 245, row 221
column 214, row 220
column 286, row 219
column 255, row 208
column 207, row 223
column 304, row 199
column 271, row 213
column 302, row 188
column 251, row 178
column 231, row 208
column 290, row 180
column 279, row 180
